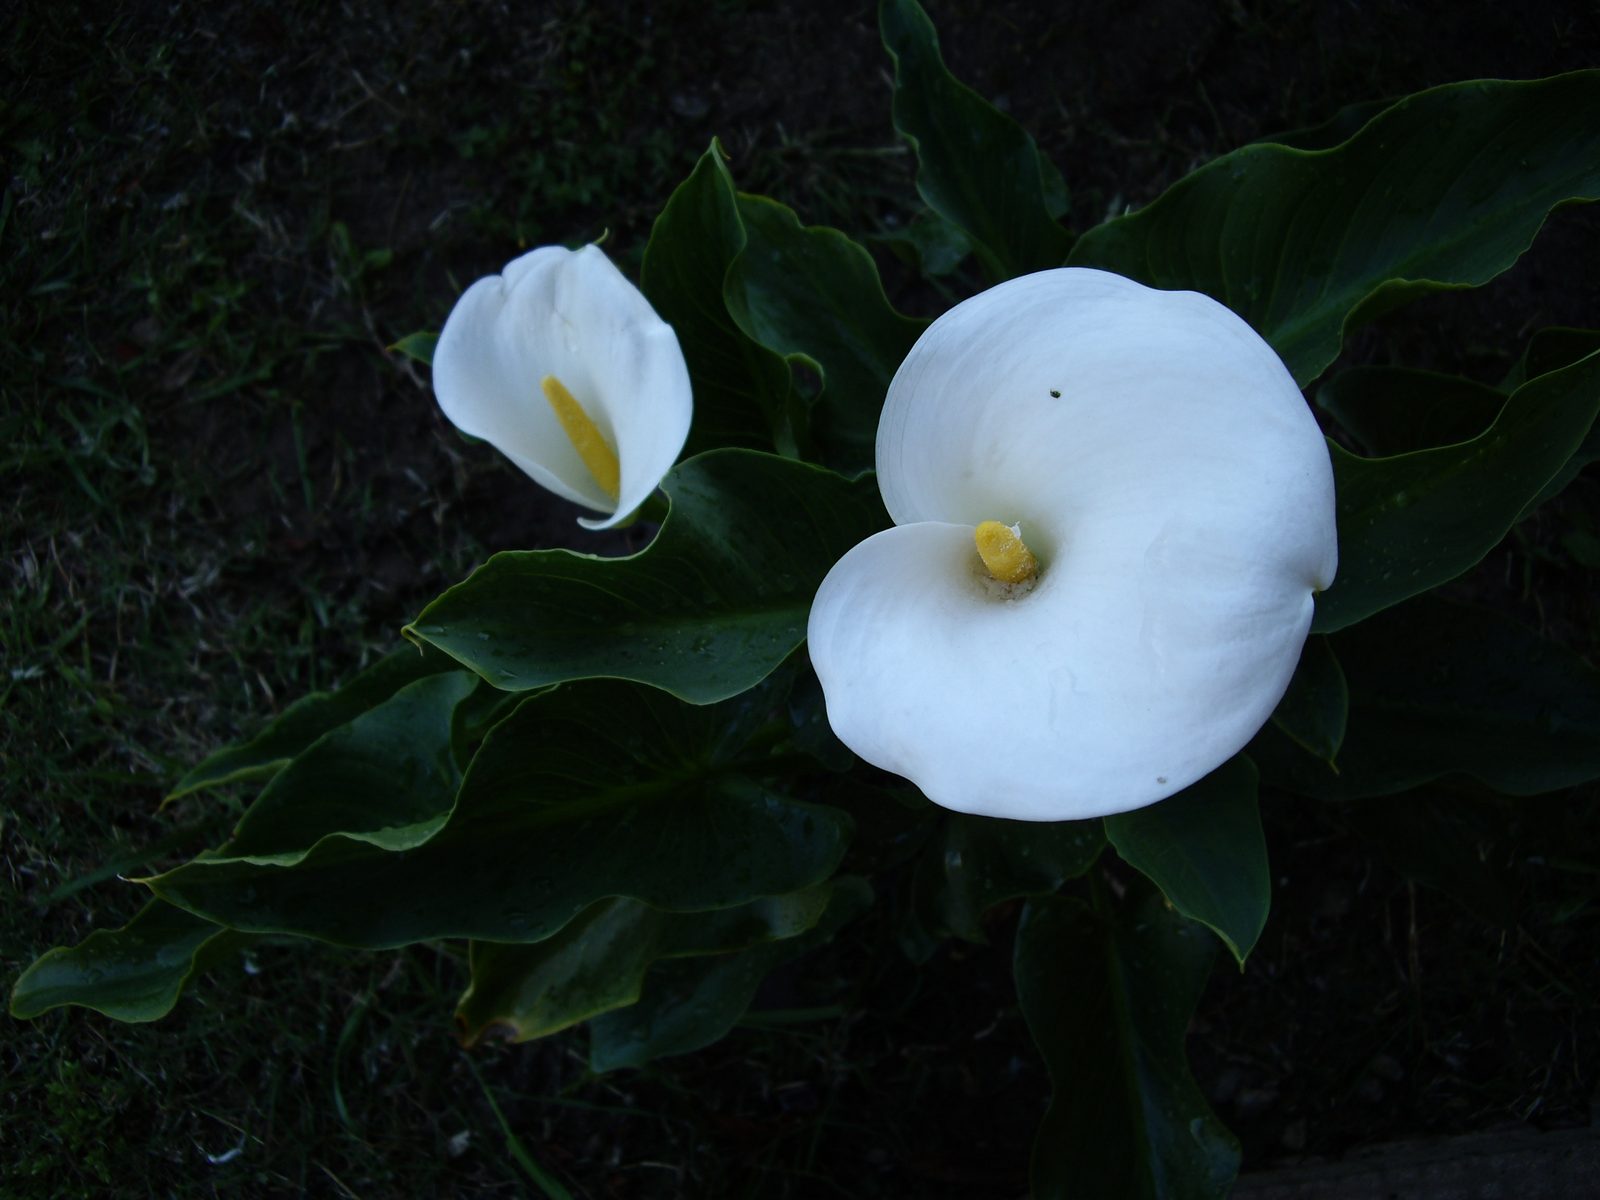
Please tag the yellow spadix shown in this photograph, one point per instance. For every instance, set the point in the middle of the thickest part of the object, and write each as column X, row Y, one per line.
column 584, row 435
column 1003, row 552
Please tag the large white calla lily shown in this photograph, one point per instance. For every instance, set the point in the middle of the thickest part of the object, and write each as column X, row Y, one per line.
column 1112, row 508
column 562, row 365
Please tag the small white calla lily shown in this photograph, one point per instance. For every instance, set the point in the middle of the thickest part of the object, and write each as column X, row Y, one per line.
column 1112, row 508
column 562, row 365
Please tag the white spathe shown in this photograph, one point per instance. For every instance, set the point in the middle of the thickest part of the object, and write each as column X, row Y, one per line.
column 573, row 315
column 1160, row 462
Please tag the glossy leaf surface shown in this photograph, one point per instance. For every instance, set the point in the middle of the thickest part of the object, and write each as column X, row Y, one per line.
column 929, row 244
column 971, row 864
column 309, row 717
column 598, row 961
column 691, row 1002
column 1445, row 188
column 976, row 167
column 808, row 715
column 1551, row 350
column 1316, row 708
column 389, row 777
column 1438, row 689
column 1396, row 410
column 1205, row 850
column 135, row 973
column 811, row 293
column 1340, row 127
column 741, row 391
column 708, row 609
column 584, row 792
column 1412, row 522
column 1108, row 1002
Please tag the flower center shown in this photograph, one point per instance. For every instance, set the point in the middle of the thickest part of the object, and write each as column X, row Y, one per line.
column 584, row 435
column 1003, row 553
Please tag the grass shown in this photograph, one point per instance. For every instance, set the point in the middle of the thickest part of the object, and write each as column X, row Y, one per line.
column 195, row 274
column 222, row 493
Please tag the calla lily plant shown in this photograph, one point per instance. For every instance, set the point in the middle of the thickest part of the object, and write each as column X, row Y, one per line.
column 1071, row 607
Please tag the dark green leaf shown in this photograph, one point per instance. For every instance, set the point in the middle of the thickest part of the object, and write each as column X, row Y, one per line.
column 1340, row 127
column 1109, row 1004
column 1392, row 410
column 808, row 713
column 741, row 390
column 135, row 973
column 932, row 246
column 1410, row 523
column 811, row 293
column 976, row 167
column 1439, row 689
column 1444, row 189
column 1550, row 350
column 1396, row 410
column 708, row 609
column 1316, row 707
column 691, row 1002
column 418, row 346
column 598, row 961
column 389, row 777
column 586, row 791
column 973, row 863
column 308, row 718
column 1204, row 849
column 480, row 712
